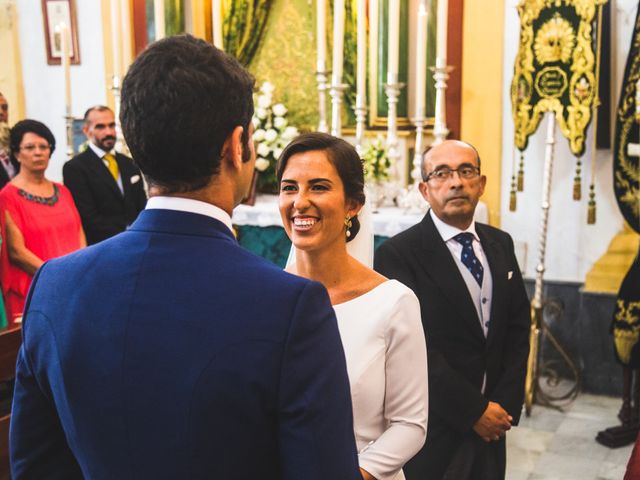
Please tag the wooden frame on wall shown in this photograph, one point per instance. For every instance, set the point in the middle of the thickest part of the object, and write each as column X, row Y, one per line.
column 55, row 12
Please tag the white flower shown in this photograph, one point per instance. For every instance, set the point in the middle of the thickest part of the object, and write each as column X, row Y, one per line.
column 289, row 133
column 258, row 135
column 271, row 135
column 267, row 88
column 279, row 122
column 256, row 122
column 277, row 152
column 279, row 110
column 261, row 113
column 263, row 149
column 262, row 164
column 264, row 101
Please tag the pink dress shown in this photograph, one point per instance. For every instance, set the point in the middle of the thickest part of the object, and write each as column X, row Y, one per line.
column 49, row 229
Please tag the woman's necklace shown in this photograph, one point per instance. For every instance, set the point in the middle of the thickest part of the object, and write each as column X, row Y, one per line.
column 49, row 201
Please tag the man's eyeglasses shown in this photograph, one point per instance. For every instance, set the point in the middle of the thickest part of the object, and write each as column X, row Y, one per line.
column 31, row 148
column 466, row 172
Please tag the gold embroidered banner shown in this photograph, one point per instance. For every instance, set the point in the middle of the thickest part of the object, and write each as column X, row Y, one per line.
column 555, row 68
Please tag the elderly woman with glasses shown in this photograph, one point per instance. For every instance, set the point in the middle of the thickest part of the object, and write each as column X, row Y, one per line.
column 38, row 218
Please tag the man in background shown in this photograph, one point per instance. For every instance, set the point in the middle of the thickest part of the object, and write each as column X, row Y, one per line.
column 106, row 186
column 476, row 319
column 4, row 109
column 8, row 165
column 168, row 351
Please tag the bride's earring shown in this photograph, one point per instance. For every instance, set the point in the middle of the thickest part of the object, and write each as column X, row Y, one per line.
column 348, row 223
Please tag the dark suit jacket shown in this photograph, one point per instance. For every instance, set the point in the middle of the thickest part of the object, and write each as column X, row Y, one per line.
column 4, row 176
column 103, row 208
column 170, row 352
column 458, row 352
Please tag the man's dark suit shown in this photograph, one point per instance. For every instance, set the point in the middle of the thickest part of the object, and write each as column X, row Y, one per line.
column 169, row 352
column 458, row 352
column 104, row 209
column 4, row 176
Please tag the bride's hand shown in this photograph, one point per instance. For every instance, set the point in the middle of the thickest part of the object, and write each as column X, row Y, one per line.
column 366, row 475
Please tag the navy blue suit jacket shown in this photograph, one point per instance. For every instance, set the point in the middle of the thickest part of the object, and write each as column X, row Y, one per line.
column 170, row 352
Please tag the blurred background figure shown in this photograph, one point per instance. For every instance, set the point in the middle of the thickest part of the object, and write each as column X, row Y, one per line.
column 9, row 165
column 38, row 217
column 4, row 109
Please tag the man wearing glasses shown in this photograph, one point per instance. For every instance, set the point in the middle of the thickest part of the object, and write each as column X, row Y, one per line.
column 476, row 318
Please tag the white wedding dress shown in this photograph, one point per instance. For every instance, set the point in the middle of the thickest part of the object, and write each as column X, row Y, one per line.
column 384, row 346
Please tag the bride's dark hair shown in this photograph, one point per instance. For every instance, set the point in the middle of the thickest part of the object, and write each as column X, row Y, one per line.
column 343, row 157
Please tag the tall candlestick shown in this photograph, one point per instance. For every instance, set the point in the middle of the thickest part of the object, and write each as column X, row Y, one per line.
column 361, row 74
column 321, row 34
column 441, row 44
column 394, row 41
column 421, row 60
column 337, row 88
column 63, row 31
column 362, row 49
column 216, row 17
column 338, row 41
column 158, row 18
column 115, row 38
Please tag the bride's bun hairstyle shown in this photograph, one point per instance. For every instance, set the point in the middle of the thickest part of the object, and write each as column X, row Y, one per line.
column 343, row 157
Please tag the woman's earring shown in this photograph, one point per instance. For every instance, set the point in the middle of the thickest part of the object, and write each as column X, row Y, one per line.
column 348, row 223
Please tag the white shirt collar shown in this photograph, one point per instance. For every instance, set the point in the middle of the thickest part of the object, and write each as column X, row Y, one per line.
column 189, row 205
column 97, row 150
column 447, row 232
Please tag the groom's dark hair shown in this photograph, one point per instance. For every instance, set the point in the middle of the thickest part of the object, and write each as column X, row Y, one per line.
column 342, row 155
column 181, row 99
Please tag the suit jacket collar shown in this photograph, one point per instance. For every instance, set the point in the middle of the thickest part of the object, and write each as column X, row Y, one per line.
column 181, row 223
column 436, row 260
column 102, row 172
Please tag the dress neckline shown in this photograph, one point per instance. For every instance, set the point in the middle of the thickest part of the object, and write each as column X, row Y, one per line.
column 365, row 294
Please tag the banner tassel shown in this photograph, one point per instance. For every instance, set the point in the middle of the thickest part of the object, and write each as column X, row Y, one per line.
column 577, row 181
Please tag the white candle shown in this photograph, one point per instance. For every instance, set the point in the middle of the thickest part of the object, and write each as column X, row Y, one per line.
column 158, row 18
column 115, row 39
column 362, row 51
column 321, row 35
column 216, row 24
column 125, row 33
column 65, row 42
column 421, row 59
column 338, row 41
column 394, row 41
column 443, row 18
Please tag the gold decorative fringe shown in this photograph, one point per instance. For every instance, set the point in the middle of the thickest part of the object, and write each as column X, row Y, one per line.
column 591, row 209
column 577, row 181
column 513, row 200
column 577, row 188
column 521, row 173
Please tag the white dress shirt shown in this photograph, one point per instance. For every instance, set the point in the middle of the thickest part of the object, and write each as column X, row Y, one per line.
column 189, row 205
column 101, row 153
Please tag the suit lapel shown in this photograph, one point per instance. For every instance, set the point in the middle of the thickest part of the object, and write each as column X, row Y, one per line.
column 102, row 173
column 436, row 260
column 498, row 265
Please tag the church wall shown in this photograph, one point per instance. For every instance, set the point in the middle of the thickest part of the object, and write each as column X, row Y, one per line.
column 44, row 84
column 572, row 245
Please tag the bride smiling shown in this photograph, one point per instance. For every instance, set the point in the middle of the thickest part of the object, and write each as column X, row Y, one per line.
column 321, row 195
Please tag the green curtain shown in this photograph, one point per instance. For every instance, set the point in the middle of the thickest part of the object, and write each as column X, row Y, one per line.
column 243, row 27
